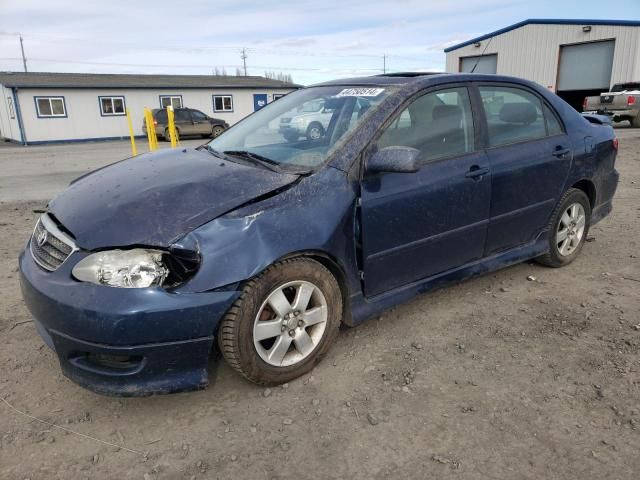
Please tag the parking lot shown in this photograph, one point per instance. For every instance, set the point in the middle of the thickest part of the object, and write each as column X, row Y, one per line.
column 526, row 373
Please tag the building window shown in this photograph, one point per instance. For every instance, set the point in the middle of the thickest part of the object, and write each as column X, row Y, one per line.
column 174, row 101
column 48, row 107
column 222, row 103
column 276, row 96
column 112, row 106
column 12, row 112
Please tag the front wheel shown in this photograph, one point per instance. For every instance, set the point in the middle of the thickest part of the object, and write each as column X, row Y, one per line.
column 217, row 131
column 283, row 323
column 568, row 229
column 315, row 131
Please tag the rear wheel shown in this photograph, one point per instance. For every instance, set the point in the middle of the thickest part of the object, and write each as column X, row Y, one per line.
column 283, row 323
column 167, row 136
column 568, row 229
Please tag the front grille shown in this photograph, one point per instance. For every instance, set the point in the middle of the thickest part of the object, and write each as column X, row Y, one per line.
column 49, row 246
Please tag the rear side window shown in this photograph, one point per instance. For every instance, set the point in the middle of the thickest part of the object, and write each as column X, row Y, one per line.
column 513, row 115
column 161, row 116
column 439, row 124
column 553, row 124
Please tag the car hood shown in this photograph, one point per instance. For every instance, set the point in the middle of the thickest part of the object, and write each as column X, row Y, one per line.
column 155, row 198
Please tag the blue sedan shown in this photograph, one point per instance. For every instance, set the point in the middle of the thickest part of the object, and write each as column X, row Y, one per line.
column 265, row 246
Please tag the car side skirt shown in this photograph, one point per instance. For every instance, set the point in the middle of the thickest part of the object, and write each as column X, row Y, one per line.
column 363, row 308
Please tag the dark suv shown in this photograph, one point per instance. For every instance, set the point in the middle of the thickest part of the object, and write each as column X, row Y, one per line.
column 188, row 122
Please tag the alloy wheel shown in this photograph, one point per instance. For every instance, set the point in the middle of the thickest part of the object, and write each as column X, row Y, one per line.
column 290, row 323
column 315, row 133
column 570, row 229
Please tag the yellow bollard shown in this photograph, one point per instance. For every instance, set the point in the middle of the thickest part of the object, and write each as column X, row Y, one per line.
column 151, row 130
column 134, row 151
column 172, row 126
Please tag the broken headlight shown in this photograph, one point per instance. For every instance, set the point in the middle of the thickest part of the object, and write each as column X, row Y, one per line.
column 137, row 268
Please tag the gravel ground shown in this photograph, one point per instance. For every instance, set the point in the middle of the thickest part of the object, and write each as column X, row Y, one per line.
column 499, row 377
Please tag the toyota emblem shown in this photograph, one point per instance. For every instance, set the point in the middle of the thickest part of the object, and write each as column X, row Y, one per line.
column 42, row 238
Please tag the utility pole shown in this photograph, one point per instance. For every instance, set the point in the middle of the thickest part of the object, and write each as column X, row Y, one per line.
column 384, row 64
column 24, row 59
column 243, row 56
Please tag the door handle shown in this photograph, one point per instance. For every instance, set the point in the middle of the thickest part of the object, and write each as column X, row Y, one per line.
column 476, row 172
column 560, row 151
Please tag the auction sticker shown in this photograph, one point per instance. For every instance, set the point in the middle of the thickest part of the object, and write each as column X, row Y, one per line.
column 360, row 92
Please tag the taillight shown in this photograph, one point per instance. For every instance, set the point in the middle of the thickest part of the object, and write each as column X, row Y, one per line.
column 584, row 103
column 631, row 100
column 155, row 123
column 615, row 143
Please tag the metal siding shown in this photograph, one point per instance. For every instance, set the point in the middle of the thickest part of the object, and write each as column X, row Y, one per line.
column 83, row 111
column 532, row 51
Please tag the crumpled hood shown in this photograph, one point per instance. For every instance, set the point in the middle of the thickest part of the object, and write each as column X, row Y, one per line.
column 155, row 198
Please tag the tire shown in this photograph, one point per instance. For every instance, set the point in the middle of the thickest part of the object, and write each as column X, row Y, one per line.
column 635, row 121
column 259, row 360
column 217, row 131
column 167, row 136
column 315, row 131
column 566, row 235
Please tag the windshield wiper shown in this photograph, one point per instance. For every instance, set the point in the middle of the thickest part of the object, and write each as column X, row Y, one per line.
column 256, row 159
column 215, row 152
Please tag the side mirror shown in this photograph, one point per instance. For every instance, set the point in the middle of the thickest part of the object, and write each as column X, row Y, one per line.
column 394, row 159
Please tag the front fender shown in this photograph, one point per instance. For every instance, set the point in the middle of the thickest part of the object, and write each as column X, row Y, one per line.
column 315, row 215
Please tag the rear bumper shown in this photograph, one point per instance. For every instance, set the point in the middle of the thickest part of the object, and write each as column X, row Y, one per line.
column 288, row 130
column 615, row 114
column 126, row 342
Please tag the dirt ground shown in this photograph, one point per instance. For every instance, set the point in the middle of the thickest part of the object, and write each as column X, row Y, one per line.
column 499, row 378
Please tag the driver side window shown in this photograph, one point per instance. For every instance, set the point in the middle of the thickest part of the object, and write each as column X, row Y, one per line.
column 439, row 124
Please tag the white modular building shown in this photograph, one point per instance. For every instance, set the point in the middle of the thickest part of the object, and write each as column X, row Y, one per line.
column 573, row 58
column 65, row 107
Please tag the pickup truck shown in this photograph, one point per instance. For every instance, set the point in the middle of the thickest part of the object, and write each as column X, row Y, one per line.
column 621, row 103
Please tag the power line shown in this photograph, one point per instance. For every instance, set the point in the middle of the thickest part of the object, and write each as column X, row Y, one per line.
column 192, row 48
column 113, row 64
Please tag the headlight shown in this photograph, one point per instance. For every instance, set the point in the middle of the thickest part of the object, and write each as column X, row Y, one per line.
column 137, row 268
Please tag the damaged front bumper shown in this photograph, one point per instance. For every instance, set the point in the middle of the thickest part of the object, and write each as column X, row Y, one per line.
column 126, row 342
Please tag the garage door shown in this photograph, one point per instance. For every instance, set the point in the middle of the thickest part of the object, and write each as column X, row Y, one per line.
column 486, row 64
column 585, row 66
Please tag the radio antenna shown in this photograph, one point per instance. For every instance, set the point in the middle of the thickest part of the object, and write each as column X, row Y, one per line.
column 481, row 55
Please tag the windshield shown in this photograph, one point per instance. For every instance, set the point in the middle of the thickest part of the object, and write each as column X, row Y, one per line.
column 301, row 130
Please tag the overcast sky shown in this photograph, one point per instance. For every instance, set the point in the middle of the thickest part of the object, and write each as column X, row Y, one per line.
column 311, row 40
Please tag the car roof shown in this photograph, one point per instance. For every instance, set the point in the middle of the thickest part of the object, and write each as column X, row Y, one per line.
column 420, row 79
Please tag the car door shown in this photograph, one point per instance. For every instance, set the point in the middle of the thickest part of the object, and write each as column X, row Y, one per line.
column 183, row 122
column 417, row 225
column 201, row 124
column 529, row 157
